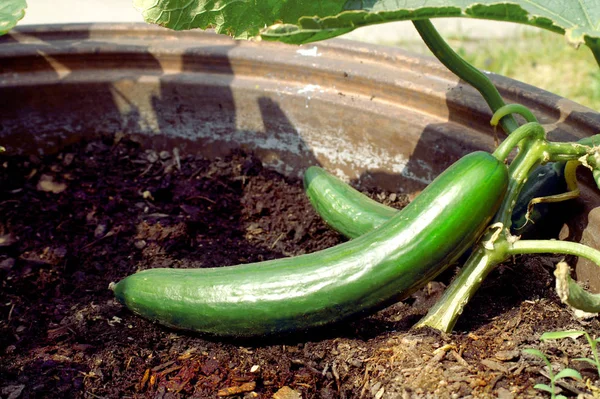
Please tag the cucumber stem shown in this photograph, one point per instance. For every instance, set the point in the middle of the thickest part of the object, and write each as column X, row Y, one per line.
column 553, row 247
column 494, row 248
column 444, row 314
column 464, row 70
column 531, row 130
column 512, row 109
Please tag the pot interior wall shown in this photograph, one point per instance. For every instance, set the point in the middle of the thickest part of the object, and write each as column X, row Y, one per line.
column 372, row 114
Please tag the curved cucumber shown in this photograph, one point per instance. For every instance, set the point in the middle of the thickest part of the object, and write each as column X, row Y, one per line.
column 342, row 207
column 362, row 275
column 353, row 214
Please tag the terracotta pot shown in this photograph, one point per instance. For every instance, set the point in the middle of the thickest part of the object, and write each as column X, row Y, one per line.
column 372, row 114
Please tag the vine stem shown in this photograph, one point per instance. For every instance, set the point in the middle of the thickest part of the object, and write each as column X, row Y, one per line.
column 464, row 70
column 531, row 130
column 594, row 45
column 512, row 109
column 495, row 245
column 554, row 247
column 570, row 293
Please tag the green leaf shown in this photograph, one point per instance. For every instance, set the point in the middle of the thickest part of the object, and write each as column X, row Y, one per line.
column 585, row 359
column 561, row 335
column 578, row 20
column 535, row 352
column 543, row 387
column 568, row 373
column 301, row 21
column 11, row 12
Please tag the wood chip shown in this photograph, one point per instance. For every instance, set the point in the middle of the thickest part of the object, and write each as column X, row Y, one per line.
column 144, row 380
column 163, row 366
column 494, row 365
column 231, row 391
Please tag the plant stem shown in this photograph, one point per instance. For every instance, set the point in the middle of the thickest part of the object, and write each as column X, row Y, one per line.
column 553, row 247
column 570, row 293
column 519, row 169
column 594, row 45
column 497, row 246
column 530, row 130
column 512, row 109
column 444, row 314
column 464, row 70
column 572, row 151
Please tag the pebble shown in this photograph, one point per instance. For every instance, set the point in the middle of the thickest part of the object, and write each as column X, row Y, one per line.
column 7, row 264
column 152, row 156
column 100, row 230
column 286, row 392
column 68, row 159
column 6, row 240
column 13, row 391
column 507, row 355
column 504, row 393
column 47, row 184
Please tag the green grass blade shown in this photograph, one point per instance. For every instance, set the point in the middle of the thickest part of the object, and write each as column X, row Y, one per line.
column 544, row 387
column 586, row 360
column 561, row 334
column 568, row 373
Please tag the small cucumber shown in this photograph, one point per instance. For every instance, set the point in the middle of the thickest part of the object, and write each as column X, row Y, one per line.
column 343, row 208
column 353, row 214
column 353, row 278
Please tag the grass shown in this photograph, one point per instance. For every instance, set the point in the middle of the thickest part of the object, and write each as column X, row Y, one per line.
column 540, row 58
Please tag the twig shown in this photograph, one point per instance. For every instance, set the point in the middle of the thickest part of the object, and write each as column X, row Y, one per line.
column 10, row 311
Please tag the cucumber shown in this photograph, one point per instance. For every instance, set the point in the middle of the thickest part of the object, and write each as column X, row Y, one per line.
column 343, row 208
column 350, row 279
column 543, row 181
column 352, row 213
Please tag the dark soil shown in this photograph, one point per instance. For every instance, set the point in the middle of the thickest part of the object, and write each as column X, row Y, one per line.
column 100, row 210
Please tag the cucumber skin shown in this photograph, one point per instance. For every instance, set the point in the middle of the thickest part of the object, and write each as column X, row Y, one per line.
column 359, row 276
column 351, row 213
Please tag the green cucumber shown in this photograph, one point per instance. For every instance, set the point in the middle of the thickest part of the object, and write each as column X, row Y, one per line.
column 352, row 213
column 343, row 208
column 350, row 279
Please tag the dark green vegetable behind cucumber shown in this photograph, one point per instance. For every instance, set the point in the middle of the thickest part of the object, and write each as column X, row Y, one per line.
column 545, row 220
column 359, row 276
column 352, row 213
